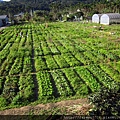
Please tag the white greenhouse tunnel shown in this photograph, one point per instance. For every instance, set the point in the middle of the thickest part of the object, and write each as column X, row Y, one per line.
column 110, row 18
column 106, row 19
column 96, row 18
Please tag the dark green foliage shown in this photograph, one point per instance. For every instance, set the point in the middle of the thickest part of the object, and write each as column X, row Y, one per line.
column 106, row 102
column 71, row 18
column 3, row 102
column 53, row 9
column 79, row 14
column 2, row 79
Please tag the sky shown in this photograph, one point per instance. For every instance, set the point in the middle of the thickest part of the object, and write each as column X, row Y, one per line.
column 6, row 0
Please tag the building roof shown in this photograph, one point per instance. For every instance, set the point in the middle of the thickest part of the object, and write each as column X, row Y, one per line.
column 3, row 16
column 20, row 14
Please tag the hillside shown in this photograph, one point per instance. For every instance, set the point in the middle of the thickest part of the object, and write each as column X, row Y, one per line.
column 88, row 7
column 16, row 6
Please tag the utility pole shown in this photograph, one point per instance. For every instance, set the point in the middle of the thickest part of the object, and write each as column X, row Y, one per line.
column 25, row 7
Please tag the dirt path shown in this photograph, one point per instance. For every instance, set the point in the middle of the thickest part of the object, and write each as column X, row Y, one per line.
column 76, row 107
column 1, row 28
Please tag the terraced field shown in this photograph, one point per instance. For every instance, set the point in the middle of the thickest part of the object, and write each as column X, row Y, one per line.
column 54, row 61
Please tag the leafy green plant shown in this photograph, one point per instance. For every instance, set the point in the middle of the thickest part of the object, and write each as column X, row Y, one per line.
column 88, row 78
column 106, row 102
column 3, row 102
column 78, row 86
column 61, row 61
column 51, row 63
column 45, row 85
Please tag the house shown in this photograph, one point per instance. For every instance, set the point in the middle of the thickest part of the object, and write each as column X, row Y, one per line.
column 4, row 19
column 1, row 24
column 96, row 18
column 110, row 18
column 19, row 16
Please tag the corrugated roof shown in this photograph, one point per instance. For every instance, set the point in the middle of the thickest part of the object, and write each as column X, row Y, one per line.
column 3, row 16
column 113, row 15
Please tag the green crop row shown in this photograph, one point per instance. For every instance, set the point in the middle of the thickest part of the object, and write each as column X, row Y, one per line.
column 76, row 82
column 60, row 47
column 40, row 63
column 38, row 51
column 103, row 78
column 45, row 85
column 27, row 65
column 116, row 65
column 26, row 87
column 81, row 57
column 61, row 61
column 52, row 46
column 61, row 83
column 2, row 80
column 6, row 66
column 71, row 60
column 10, row 88
column 45, row 48
column 88, row 78
column 51, row 63
column 17, row 67
column 111, row 72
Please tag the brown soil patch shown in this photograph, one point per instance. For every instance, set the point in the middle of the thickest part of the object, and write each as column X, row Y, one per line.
column 68, row 107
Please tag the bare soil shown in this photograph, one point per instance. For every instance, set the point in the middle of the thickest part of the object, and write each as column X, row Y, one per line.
column 68, row 107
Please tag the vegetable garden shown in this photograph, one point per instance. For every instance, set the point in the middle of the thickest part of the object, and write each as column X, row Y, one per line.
column 56, row 61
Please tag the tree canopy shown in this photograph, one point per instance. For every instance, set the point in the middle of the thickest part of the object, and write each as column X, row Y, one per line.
column 56, row 8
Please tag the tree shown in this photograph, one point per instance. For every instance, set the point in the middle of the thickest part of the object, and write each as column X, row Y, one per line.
column 79, row 14
column 106, row 101
column 27, row 16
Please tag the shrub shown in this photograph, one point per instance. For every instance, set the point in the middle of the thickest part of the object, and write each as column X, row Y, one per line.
column 3, row 102
column 106, row 102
